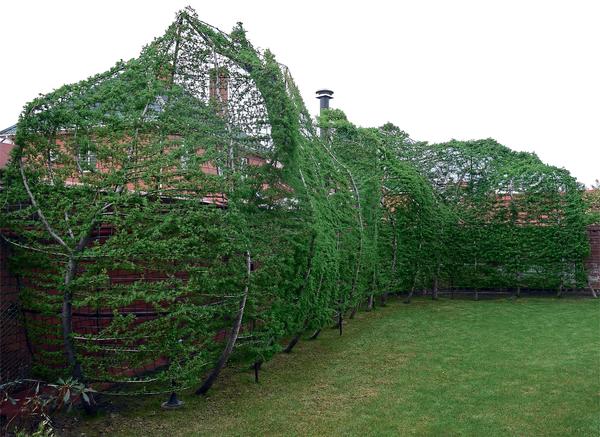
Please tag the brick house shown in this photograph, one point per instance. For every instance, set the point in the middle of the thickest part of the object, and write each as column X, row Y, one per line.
column 16, row 351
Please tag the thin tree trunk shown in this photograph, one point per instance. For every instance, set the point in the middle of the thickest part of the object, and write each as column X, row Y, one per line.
column 354, row 311
column 412, row 290
column 519, row 276
column 394, row 257
column 340, row 322
column 296, row 338
column 307, row 273
column 360, row 221
column 258, row 363
column 434, row 292
column 354, row 284
column 67, row 304
column 370, row 303
column 40, row 214
column 559, row 293
column 318, row 331
column 292, row 343
column 256, row 366
column 67, row 325
column 384, row 296
column 67, row 320
column 417, row 273
column 67, row 308
column 371, row 299
column 410, row 295
column 209, row 381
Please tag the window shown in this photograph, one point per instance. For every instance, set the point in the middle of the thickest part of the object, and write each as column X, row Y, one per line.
column 184, row 160
column 53, row 156
column 87, row 154
column 87, row 160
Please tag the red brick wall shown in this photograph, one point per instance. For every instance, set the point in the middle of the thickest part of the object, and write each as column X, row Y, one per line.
column 15, row 357
column 593, row 262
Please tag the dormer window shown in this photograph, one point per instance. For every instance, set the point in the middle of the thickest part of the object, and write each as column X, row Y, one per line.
column 156, row 107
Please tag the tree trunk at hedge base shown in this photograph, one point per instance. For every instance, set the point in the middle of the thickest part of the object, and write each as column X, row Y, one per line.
column 315, row 335
column 383, row 299
column 371, row 302
column 353, row 312
column 67, row 321
column 296, row 338
column 71, row 271
column 340, row 322
column 410, row 295
column 412, row 290
column 67, row 331
column 256, row 366
column 434, row 291
column 210, row 380
column 384, row 296
column 292, row 343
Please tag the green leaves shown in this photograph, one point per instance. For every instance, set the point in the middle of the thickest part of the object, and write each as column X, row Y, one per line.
column 173, row 165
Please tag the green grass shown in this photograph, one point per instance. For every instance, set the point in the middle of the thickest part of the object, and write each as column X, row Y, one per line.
column 529, row 367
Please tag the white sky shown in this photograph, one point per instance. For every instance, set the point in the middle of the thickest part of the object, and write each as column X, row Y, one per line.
column 526, row 72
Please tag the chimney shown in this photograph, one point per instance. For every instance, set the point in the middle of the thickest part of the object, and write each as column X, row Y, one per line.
column 324, row 96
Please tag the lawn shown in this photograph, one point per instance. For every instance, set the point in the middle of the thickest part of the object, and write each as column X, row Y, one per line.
column 528, row 367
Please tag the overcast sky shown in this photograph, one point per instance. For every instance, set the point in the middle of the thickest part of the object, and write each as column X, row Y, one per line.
column 526, row 72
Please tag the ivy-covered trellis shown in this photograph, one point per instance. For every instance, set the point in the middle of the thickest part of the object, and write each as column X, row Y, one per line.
column 185, row 203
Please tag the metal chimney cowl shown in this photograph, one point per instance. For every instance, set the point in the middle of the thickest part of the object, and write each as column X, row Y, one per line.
column 324, row 96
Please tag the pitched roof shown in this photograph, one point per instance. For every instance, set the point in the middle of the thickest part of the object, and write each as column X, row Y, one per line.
column 11, row 130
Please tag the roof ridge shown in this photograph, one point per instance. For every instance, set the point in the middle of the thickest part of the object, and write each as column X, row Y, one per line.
column 11, row 130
